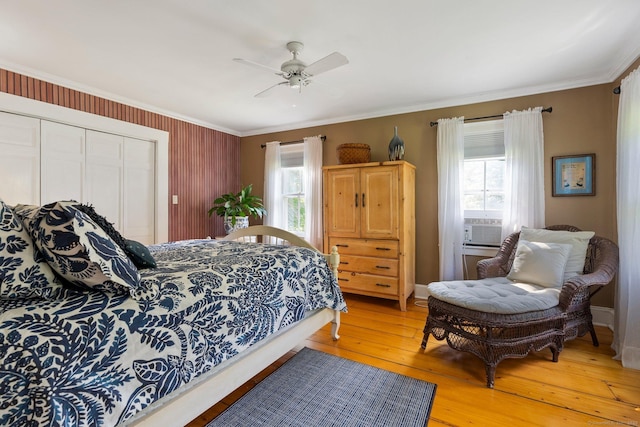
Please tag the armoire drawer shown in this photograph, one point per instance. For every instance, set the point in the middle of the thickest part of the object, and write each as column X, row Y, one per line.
column 365, row 247
column 362, row 264
column 367, row 283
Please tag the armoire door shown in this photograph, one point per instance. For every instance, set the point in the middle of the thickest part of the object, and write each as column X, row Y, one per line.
column 380, row 202
column 342, row 202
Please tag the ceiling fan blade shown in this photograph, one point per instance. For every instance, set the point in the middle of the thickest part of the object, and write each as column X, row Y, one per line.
column 258, row 65
column 327, row 63
column 268, row 90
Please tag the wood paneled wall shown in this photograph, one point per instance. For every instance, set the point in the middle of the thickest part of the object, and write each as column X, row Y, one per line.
column 203, row 163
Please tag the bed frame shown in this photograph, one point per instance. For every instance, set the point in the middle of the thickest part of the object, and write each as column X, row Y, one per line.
column 183, row 406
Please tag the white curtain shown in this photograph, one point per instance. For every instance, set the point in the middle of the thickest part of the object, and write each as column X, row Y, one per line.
column 313, row 190
column 272, row 186
column 524, row 172
column 626, row 341
column 450, row 211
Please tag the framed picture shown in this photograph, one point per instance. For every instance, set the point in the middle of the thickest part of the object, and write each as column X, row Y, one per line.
column 574, row 175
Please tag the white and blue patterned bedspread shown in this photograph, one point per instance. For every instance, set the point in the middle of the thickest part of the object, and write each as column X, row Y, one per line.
column 92, row 359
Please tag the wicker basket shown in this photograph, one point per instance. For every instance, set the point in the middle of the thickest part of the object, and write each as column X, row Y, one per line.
column 353, row 153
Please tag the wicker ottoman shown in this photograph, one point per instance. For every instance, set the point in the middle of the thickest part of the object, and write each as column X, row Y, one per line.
column 494, row 337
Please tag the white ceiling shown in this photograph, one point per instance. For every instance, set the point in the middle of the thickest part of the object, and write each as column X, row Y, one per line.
column 175, row 56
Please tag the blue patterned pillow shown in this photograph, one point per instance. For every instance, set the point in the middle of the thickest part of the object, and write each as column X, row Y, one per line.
column 24, row 273
column 139, row 254
column 79, row 250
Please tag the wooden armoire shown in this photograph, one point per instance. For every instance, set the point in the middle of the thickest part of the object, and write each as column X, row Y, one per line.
column 369, row 214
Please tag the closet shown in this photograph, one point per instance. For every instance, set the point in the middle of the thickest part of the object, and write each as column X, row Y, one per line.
column 44, row 161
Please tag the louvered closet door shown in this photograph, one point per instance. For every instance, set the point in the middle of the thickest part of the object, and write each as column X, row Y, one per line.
column 104, row 175
column 19, row 159
column 62, row 162
column 139, row 190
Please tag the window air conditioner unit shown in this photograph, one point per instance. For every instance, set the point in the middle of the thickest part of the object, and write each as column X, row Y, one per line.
column 483, row 234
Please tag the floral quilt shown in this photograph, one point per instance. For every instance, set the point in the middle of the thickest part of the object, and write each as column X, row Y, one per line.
column 89, row 358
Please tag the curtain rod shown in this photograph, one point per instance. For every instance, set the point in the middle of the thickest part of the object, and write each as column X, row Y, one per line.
column 495, row 116
column 322, row 137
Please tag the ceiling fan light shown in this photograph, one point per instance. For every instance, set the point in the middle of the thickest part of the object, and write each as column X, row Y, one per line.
column 295, row 82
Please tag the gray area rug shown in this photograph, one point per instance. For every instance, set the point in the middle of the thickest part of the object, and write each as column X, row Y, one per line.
column 319, row 389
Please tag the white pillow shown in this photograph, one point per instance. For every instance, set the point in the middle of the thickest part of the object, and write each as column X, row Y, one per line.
column 539, row 263
column 579, row 240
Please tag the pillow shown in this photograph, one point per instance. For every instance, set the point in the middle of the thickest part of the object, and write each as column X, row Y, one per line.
column 79, row 250
column 136, row 251
column 26, row 214
column 139, row 254
column 579, row 241
column 103, row 223
column 24, row 273
column 539, row 263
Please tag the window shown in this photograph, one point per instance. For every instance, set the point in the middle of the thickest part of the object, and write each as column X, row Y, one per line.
column 293, row 199
column 293, row 192
column 484, row 188
column 484, row 170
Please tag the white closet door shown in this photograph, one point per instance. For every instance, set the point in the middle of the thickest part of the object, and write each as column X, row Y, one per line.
column 19, row 159
column 104, row 175
column 139, row 190
column 62, row 161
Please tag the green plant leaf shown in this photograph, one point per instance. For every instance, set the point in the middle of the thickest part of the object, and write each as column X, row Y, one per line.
column 238, row 204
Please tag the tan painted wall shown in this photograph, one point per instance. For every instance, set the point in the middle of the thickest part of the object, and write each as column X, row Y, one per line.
column 581, row 122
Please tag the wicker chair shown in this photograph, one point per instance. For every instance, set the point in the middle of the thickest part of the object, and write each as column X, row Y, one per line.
column 494, row 337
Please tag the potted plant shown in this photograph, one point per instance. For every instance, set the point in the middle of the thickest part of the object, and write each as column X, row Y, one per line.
column 236, row 208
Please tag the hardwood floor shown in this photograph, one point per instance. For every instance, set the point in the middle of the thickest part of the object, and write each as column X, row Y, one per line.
column 586, row 387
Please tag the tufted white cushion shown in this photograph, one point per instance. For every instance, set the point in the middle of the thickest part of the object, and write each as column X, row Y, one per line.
column 579, row 241
column 495, row 295
column 539, row 263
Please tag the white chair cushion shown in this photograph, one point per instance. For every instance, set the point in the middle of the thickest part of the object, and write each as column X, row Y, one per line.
column 495, row 295
column 579, row 240
column 539, row 263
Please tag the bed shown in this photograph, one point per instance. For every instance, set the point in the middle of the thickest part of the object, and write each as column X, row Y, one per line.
column 209, row 316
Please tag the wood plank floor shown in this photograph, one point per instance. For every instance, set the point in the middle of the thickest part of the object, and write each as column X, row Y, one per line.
column 586, row 387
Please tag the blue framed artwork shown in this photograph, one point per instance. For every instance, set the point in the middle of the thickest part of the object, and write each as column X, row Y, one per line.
column 574, row 175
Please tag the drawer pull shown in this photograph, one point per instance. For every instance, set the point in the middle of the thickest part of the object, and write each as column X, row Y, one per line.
column 344, row 262
column 344, row 280
column 383, row 285
column 383, row 249
column 342, row 245
column 384, row 267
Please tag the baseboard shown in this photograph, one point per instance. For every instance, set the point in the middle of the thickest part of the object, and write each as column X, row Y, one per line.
column 602, row 316
column 421, row 291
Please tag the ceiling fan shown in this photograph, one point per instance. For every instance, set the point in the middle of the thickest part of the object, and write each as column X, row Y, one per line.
column 295, row 72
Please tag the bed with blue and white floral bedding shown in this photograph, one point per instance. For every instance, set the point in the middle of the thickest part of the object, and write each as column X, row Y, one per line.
column 95, row 358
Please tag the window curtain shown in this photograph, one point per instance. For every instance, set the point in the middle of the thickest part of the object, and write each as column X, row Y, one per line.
column 313, row 190
column 524, row 171
column 450, row 161
column 626, row 340
column 272, row 186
